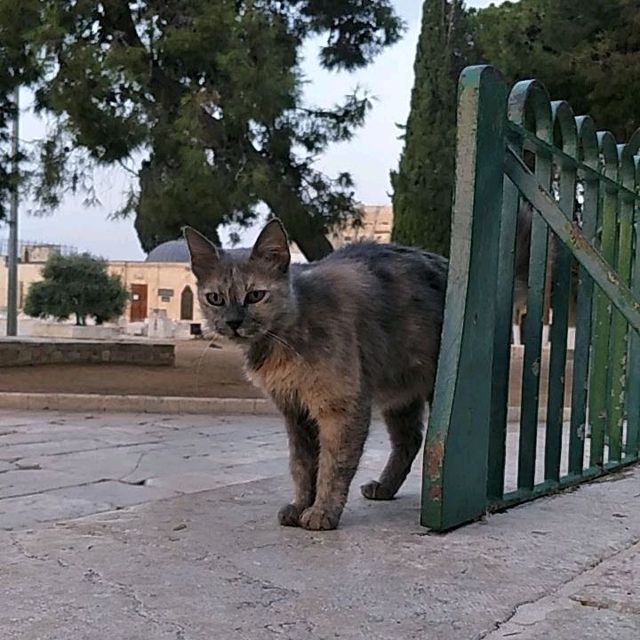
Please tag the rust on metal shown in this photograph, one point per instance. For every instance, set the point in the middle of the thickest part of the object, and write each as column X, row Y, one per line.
column 578, row 240
column 435, row 456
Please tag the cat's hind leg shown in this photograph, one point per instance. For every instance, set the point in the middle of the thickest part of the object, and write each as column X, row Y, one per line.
column 405, row 428
column 303, row 464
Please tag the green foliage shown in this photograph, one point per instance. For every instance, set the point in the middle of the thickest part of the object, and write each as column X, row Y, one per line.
column 587, row 53
column 17, row 63
column 208, row 92
column 423, row 184
column 76, row 285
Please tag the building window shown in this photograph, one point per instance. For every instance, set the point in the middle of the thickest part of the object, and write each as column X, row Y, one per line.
column 186, row 304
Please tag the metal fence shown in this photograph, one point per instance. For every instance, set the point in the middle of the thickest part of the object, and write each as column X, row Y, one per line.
column 466, row 472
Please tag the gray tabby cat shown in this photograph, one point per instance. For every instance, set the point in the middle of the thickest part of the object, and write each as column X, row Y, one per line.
column 326, row 341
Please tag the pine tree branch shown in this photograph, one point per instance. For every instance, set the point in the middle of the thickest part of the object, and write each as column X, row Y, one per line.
column 118, row 21
column 306, row 231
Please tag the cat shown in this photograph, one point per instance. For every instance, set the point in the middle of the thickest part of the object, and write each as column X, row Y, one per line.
column 326, row 341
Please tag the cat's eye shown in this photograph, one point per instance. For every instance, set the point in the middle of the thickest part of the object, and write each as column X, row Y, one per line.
column 214, row 299
column 254, row 296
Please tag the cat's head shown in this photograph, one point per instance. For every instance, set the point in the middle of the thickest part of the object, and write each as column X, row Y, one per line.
column 243, row 294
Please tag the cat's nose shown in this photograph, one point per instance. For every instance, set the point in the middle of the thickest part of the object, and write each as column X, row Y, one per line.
column 234, row 325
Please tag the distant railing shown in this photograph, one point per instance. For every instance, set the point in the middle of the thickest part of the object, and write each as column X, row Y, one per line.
column 27, row 248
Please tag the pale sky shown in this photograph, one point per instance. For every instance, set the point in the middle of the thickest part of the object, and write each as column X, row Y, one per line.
column 369, row 156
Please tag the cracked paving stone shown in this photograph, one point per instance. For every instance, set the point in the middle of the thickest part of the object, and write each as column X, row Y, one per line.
column 602, row 598
column 112, row 558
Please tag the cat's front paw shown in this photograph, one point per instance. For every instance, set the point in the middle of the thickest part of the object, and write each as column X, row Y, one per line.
column 289, row 515
column 317, row 519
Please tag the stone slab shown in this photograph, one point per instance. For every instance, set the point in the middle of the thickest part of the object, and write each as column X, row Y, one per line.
column 602, row 602
column 165, row 559
column 81, row 403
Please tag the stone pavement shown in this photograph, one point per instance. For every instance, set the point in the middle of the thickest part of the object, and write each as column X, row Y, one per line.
column 142, row 527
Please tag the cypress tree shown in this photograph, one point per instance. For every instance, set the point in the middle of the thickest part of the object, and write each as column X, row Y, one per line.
column 423, row 184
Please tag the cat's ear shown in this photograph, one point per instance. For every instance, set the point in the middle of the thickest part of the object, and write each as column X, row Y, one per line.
column 204, row 254
column 272, row 246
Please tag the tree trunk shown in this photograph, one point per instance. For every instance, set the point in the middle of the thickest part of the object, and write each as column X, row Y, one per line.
column 314, row 247
column 306, row 231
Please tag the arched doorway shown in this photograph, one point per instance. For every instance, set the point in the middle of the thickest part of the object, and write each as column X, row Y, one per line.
column 186, row 304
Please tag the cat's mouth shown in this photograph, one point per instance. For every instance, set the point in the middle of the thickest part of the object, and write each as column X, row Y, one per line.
column 237, row 336
column 229, row 339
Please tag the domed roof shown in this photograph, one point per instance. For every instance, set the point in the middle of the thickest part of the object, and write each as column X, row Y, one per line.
column 170, row 251
column 178, row 251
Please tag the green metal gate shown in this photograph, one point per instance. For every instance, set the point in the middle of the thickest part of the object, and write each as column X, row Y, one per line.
column 465, row 451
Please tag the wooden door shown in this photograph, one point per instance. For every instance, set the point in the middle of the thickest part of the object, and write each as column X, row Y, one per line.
column 138, row 302
column 186, row 304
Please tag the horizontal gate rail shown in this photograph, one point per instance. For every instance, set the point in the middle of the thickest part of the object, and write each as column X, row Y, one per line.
column 590, row 258
column 586, row 171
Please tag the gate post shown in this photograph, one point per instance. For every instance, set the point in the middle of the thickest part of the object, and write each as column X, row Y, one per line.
column 456, row 449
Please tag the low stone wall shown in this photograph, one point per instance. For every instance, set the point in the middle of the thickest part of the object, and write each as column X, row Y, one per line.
column 69, row 331
column 16, row 352
column 515, row 377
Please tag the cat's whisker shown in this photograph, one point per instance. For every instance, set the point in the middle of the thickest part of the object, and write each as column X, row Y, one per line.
column 282, row 341
column 201, row 360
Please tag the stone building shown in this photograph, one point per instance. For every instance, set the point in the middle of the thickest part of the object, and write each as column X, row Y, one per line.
column 377, row 223
column 162, row 286
column 154, row 284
